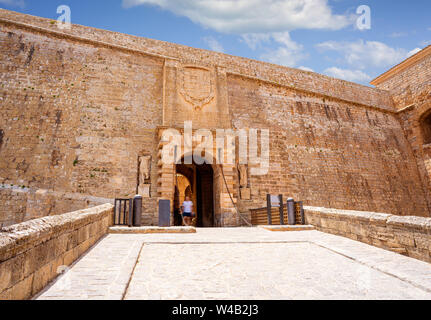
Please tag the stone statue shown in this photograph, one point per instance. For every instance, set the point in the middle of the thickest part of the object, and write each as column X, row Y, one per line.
column 144, row 188
column 144, row 169
column 243, row 176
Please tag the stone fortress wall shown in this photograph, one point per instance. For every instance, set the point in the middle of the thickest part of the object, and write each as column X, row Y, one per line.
column 409, row 84
column 80, row 108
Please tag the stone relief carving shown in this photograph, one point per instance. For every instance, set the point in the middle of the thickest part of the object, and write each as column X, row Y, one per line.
column 197, row 85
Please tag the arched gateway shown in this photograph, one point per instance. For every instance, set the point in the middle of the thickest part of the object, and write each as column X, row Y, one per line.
column 203, row 189
column 209, row 189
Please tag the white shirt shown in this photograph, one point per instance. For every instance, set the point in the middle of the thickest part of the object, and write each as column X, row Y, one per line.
column 188, row 205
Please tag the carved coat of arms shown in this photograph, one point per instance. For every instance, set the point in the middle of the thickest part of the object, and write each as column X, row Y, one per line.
column 197, row 86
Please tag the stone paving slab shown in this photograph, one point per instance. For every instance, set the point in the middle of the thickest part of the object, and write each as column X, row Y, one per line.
column 102, row 274
column 242, row 263
column 259, row 271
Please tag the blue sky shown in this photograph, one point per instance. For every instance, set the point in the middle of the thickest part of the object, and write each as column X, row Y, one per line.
column 318, row 35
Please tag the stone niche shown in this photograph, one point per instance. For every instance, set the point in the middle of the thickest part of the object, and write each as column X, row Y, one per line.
column 144, row 176
column 245, row 191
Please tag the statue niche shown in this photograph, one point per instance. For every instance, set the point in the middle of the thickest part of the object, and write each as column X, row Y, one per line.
column 245, row 192
column 144, row 177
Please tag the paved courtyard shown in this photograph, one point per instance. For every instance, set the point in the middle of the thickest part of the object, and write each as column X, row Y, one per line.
column 242, row 263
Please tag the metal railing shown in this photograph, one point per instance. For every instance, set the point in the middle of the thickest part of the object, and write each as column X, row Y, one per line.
column 278, row 215
column 128, row 212
column 123, row 212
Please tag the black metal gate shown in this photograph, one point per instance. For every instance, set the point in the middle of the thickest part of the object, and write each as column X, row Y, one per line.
column 123, row 212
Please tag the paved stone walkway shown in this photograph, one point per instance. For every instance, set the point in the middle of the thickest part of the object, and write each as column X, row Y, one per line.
column 240, row 264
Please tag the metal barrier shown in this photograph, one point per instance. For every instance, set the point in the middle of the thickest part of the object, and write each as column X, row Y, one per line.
column 123, row 212
column 291, row 211
column 299, row 213
column 128, row 212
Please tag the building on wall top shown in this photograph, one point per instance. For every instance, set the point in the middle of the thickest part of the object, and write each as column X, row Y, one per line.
column 409, row 84
column 408, row 80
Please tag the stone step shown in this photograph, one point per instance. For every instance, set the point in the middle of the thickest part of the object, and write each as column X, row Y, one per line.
column 150, row 230
column 288, row 228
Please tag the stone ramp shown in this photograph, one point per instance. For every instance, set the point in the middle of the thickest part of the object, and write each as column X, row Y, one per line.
column 241, row 263
column 103, row 273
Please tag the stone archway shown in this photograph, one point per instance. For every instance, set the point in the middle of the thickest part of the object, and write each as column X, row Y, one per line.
column 224, row 210
column 203, row 190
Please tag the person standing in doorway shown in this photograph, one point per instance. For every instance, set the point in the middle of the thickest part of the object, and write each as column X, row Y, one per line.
column 187, row 209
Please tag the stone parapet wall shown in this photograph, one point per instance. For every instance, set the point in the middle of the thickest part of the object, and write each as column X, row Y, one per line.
column 33, row 253
column 20, row 204
column 407, row 235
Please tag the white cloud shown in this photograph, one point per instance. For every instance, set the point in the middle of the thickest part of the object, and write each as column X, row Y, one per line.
column 288, row 54
column 253, row 16
column 362, row 54
column 305, row 69
column 254, row 40
column 349, row 75
column 213, row 44
column 413, row 52
column 13, row 3
column 425, row 43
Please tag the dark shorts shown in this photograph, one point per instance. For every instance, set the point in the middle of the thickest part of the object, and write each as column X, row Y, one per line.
column 187, row 214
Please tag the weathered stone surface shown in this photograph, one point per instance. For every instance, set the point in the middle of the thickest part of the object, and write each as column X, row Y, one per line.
column 104, row 97
column 404, row 235
column 410, row 222
column 410, row 86
column 245, row 193
column 32, row 252
column 260, row 265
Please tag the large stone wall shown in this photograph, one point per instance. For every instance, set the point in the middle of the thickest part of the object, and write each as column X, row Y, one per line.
column 33, row 253
column 410, row 236
column 81, row 106
column 132, row 45
column 410, row 86
column 327, row 152
column 20, row 204
column 75, row 116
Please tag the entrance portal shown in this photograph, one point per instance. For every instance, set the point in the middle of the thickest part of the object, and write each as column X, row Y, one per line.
column 197, row 182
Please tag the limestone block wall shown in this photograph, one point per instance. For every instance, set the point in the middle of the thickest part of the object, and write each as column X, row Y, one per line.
column 409, row 84
column 303, row 80
column 410, row 236
column 80, row 107
column 20, row 204
column 32, row 253
column 328, row 152
column 75, row 118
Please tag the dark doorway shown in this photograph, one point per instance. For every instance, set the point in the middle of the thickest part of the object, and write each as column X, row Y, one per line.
column 205, row 196
column 201, row 190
